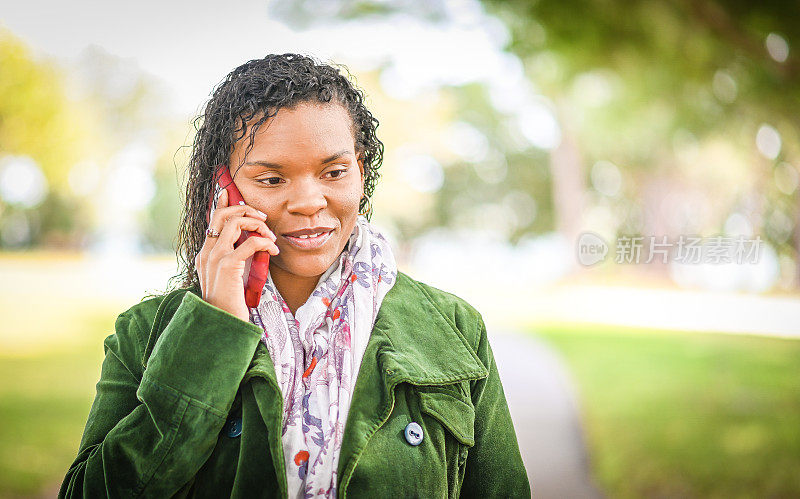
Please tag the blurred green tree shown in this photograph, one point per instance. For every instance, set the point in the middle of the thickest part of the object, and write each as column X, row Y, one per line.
column 39, row 121
column 676, row 117
column 37, row 118
column 673, row 75
column 132, row 108
column 76, row 123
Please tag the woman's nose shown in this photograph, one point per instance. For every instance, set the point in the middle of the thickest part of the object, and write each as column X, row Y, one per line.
column 307, row 197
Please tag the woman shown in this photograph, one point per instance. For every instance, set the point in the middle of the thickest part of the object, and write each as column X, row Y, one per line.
column 348, row 378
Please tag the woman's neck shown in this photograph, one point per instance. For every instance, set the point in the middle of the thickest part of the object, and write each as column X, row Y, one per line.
column 294, row 289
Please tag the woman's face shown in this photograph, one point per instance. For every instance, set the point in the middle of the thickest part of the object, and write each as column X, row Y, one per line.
column 303, row 172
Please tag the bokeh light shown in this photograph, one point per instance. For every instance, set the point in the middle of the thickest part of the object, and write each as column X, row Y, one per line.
column 22, row 181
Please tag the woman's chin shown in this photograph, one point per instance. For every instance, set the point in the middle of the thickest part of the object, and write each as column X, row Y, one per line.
column 306, row 266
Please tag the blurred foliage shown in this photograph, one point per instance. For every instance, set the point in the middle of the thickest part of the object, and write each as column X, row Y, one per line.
column 74, row 121
column 305, row 13
column 674, row 414
column 131, row 108
column 507, row 191
column 665, row 51
column 128, row 103
column 162, row 216
column 36, row 116
column 671, row 94
column 668, row 95
column 38, row 120
column 675, row 75
column 511, row 177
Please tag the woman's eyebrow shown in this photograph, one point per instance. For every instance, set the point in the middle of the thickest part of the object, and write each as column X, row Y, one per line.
column 278, row 166
column 265, row 164
column 334, row 157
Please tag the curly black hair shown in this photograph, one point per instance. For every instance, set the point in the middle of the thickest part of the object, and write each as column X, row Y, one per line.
column 258, row 89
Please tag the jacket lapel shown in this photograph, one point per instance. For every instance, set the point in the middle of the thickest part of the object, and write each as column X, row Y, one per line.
column 412, row 341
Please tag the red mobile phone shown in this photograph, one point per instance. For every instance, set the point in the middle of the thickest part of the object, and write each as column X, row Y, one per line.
column 259, row 266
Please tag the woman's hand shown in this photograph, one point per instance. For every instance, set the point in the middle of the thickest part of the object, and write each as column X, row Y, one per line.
column 219, row 266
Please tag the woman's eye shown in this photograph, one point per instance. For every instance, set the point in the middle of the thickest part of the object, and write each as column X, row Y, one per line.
column 269, row 180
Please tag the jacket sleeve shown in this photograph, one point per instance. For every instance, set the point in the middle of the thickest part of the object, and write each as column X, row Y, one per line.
column 150, row 429
column 494, row 465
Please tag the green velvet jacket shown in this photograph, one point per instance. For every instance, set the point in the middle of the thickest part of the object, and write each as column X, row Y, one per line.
column 179, row 373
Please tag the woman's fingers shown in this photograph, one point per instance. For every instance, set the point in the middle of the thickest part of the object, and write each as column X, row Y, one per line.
column 221, row 215
column 251, row 246
column 233, row 229
column 242, row 216
column 219, row 265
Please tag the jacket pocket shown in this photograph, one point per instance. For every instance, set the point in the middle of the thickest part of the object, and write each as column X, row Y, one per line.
column 457, row 416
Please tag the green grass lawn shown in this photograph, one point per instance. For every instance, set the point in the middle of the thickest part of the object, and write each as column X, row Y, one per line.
column 674, row 414
column 44, row 400
column 55, row 315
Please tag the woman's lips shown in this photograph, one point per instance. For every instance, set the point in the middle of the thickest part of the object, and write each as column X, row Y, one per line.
column 310, row 242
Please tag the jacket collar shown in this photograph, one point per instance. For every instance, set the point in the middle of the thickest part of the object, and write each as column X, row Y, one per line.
column 424, row 345
column 419, row 343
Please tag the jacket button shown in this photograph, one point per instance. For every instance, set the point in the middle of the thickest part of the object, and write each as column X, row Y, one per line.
column 413, row 433
column 234, row 427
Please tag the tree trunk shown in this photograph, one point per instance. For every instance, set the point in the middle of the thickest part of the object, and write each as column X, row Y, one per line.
column 569, row 182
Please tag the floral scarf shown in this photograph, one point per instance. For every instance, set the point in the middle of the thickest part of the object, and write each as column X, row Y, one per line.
column 317, row 354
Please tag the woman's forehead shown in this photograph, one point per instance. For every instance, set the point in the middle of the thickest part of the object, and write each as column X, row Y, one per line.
column 314, row 131
column 320, row 122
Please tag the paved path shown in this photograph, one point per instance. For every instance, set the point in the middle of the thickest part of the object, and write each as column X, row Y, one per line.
column 543, row 408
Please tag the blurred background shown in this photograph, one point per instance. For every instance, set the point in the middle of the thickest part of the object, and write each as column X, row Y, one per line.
column 614, row 185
